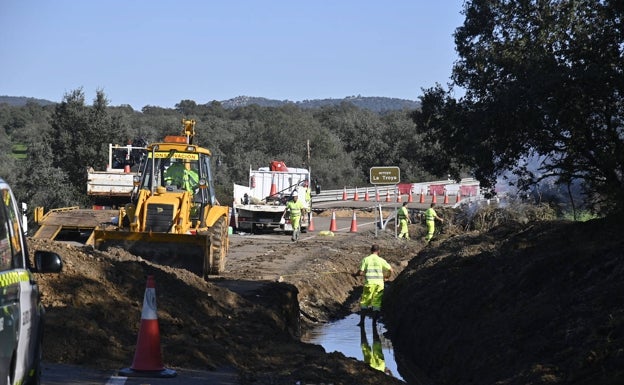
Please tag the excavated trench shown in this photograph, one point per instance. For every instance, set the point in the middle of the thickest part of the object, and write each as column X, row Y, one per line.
column 327, row 306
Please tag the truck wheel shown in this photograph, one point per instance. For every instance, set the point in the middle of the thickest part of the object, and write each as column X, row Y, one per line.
column 219, row 245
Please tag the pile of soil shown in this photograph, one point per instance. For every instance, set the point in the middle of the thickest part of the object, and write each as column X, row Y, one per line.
column 529, row 303
column 537, row 303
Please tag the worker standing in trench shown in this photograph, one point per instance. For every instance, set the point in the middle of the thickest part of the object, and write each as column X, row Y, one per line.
column 376, row 271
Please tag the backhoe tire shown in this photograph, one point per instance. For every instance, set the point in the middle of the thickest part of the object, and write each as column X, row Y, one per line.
column 219, row 246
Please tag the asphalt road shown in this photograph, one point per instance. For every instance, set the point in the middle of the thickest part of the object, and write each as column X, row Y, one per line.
column 57, row 374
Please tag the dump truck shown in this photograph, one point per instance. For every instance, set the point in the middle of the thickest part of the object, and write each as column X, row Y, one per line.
column 173, row 217
column 114, row 185
column 259, row 205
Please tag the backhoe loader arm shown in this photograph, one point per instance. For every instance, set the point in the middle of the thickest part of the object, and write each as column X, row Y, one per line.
column 189, row 129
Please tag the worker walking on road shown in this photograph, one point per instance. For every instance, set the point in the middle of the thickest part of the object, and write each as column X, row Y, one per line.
column 430, row 217
column 404, row 220
column 376, row 271
column 297, row 210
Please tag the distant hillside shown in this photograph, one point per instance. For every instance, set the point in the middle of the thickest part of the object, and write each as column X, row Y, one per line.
column 373, row 103
column 20, row 101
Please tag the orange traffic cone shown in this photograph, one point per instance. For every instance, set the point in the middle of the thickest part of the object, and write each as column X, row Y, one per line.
column 355, row 195
column 353, row 224
column 398, row 195
column 147, row 357
column 422, row 196
column 410, row 199
column 434, row 199
column 344, row 194
column 366, row 197
column 332, row 224
column 458, row 197
column 445, row 198
column 311, row 227
column 273, row 187
column 388, row 196
column 377, row 194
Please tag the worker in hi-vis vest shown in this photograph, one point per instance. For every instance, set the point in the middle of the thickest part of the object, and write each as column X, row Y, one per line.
column 181, row 174
column 376, row 271
column 430, row 217
column 404, row 220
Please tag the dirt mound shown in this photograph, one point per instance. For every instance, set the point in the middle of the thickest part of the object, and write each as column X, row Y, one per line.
column 520, row 304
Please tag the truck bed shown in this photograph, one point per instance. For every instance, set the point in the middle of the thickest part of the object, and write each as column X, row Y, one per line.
column 110, row 183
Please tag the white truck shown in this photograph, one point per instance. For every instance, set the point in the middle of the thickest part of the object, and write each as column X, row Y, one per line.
column 116, row 183
column 259, row 205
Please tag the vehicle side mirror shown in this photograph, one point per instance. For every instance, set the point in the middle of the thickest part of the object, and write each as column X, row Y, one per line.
column 48, row 262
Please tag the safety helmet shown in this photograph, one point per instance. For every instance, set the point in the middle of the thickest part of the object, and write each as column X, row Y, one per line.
column 295, row 194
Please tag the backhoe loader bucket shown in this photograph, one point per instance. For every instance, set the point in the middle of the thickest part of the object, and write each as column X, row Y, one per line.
column 202, row 254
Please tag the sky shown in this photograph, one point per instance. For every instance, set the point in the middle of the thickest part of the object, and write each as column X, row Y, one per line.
column 160, row 52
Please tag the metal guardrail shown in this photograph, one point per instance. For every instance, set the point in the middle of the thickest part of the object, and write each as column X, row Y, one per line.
column 383, row 192
column 338, row 195
column 334, row 197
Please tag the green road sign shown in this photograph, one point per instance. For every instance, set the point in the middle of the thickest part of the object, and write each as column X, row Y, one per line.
column 385, row 175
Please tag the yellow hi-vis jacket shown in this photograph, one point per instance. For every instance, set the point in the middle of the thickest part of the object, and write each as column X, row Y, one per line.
column 430, row 214
column 294, row 208
column 373, row 267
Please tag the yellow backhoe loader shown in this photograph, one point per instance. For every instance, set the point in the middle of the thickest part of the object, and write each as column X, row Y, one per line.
column 174, row 218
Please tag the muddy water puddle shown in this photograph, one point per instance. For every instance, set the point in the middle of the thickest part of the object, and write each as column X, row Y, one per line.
column 366, row 344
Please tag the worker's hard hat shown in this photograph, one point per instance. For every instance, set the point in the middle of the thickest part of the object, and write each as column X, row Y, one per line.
column 295, row 194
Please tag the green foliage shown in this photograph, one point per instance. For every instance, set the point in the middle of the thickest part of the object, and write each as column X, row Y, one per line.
column 541, row 78
column 582, row 216
column 81, row 135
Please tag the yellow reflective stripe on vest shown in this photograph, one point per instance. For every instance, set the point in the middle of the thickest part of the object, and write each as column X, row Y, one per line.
column 374, row 271
column 13, row 277
column 374, row 275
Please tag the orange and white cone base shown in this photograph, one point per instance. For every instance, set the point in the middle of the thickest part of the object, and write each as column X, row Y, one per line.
column 332, row 223
column 147, row 357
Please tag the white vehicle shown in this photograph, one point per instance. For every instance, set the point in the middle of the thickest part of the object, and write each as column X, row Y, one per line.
column 21, row 311
column 118, row 181
column 259, row 205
